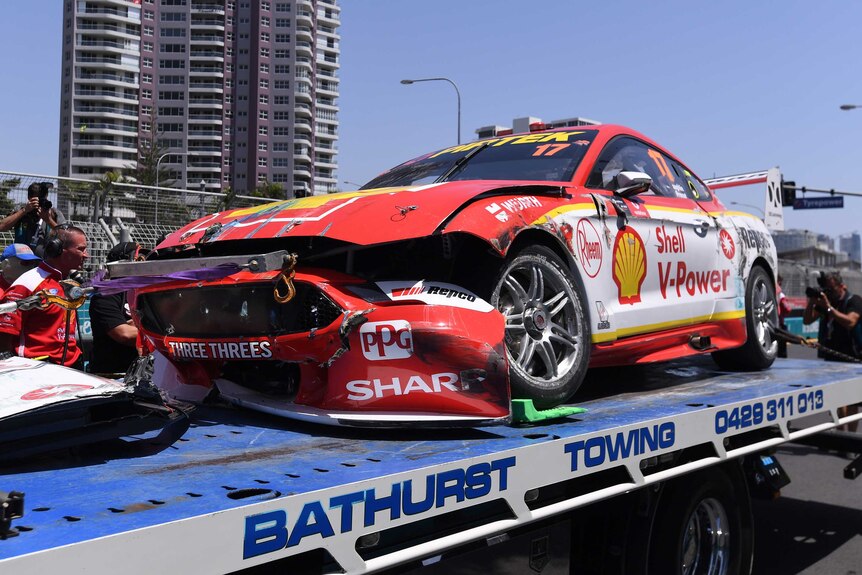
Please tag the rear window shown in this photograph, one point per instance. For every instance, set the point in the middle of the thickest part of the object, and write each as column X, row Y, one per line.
column 546, row 156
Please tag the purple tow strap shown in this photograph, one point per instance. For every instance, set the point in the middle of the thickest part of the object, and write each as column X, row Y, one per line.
column 109, row 287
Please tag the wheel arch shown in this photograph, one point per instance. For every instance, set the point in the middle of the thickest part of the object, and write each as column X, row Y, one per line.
column 536, row 236
column 762, row 262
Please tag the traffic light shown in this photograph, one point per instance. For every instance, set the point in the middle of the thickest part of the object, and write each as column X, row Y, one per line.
column 788, row 193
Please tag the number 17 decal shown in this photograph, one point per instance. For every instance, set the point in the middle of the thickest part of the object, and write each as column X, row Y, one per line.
column 549, row 149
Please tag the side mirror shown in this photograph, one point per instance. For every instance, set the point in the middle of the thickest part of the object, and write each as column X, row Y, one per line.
column 632, row 183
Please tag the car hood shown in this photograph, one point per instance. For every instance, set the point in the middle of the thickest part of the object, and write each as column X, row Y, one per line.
column 364, row 217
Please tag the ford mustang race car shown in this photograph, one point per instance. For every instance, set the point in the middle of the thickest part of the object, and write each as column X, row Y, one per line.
column 502, row 268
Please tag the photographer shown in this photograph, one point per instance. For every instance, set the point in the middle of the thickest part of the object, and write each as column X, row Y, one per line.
column 34, row 220
column 840, row 328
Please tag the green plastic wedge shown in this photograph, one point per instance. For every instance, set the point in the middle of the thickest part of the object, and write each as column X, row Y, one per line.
column 523, row 411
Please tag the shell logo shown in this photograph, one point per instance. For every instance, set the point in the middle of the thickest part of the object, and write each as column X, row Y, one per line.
column 630, row 265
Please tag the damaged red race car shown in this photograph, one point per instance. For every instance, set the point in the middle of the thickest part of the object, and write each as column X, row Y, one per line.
column 449, row 285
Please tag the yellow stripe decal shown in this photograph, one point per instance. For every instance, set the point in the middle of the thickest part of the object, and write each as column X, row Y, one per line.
column 635, row 330
column 565, row 209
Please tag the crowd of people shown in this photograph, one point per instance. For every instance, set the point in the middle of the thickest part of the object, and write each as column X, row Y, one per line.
column 45, row 254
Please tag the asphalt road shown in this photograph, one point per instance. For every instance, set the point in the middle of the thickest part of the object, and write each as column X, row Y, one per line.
column 815, row 527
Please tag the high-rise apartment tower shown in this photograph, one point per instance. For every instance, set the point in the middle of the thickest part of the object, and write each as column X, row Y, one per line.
column 240, row 92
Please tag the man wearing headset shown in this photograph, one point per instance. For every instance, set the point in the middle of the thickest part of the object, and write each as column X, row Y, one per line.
column 66, row 249
column 49, row 333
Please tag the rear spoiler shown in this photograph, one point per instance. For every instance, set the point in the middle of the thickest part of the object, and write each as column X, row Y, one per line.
column 773, row 214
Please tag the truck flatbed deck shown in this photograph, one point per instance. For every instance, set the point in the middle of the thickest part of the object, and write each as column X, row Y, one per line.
column 239, row 489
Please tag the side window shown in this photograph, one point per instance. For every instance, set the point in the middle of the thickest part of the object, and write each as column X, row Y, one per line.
column 694, row 188
column 622, row 154
column 630, row 155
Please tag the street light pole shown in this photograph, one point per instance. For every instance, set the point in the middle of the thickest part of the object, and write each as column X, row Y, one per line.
column 846, row 107
column 749, row 206
column 457, row 93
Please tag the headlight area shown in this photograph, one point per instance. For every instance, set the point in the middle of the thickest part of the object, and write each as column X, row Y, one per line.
column 417, row 347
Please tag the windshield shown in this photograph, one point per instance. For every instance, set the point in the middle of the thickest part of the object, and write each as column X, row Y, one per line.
column 544, row 156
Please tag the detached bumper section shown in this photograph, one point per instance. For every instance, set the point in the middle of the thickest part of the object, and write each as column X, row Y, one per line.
column 341, row 351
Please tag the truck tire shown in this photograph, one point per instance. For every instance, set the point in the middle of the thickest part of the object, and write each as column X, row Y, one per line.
column 761, row 310
column 547, row 331
column 703, row 525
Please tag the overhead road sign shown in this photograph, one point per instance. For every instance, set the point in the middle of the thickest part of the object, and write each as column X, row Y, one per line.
column 818, row 203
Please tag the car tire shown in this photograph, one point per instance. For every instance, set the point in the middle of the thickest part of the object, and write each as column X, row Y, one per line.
column 702, row 527
column 547, row 334
column 761, row 310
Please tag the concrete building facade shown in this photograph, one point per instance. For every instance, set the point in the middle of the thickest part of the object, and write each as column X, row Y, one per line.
column 237, row 92
column 851, row 244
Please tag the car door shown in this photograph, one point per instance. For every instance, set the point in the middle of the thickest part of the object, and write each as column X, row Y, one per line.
column 663, row 251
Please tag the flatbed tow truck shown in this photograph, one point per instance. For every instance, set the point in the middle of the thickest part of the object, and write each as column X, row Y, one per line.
column 655, row 477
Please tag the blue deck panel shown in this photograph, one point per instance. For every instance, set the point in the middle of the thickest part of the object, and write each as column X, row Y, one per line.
column 142, row 482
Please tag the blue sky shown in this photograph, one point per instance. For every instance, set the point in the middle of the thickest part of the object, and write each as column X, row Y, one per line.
column 729, row 87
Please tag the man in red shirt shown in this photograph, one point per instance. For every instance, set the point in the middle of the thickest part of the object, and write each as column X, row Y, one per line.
column 66, row 249
column 48, row 333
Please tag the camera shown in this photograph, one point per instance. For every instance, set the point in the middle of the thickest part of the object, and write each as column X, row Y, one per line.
column 40, row 190
column 812, row 292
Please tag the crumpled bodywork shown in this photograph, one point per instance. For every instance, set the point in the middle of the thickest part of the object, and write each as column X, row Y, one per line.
column 389, row 351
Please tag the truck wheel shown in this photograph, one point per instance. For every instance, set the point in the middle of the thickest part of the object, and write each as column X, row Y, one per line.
column 761, row 310
column 547, row 335
column 703, row 526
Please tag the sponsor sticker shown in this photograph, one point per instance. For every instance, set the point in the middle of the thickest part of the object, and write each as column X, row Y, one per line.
column 498, row 212
column 589, row 250
column 434, row 293
column 727, row 245
column 604, row 321
column 220, row 350
column 380, row 387
column 629, row 265
column 670, row 242
column 386, row 340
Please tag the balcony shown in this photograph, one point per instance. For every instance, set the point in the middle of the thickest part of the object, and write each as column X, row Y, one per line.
column 208, row 118
column 214, row 39
column 126, row 45
column 207, row 70
column 102, row 29
column 207, row 9
column 205, row 102
column 105, row 110
column 103, row 127
column 305, row 32
column 203, row 133
column 91, row 94
column 100, row 13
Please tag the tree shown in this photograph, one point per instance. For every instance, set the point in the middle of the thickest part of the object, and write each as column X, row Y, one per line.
column 269, row 190
column 76, row 197
column 150, row 150
column 226, row 202
column 6, row 203
column 104, row 189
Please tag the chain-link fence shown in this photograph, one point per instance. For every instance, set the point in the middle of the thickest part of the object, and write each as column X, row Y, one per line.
column 798, row 275
column 113, row 211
